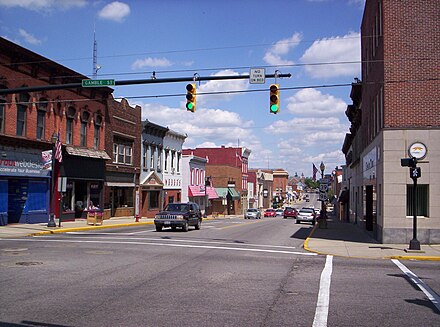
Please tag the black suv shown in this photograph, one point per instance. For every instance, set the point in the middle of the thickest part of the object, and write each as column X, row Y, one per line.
column 179, row 215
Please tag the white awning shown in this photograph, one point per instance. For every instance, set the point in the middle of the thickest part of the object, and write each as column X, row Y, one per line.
column 119, row 184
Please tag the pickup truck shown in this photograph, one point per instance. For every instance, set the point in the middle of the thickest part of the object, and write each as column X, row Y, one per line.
column 179, row 215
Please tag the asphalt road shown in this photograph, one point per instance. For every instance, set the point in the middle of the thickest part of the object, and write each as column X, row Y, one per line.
column 232, row 272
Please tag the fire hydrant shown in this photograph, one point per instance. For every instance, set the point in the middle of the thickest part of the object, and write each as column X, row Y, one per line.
column 137, row 218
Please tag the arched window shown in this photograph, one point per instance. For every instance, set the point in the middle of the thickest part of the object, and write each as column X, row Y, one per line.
column 70, row 116
column 22, row 105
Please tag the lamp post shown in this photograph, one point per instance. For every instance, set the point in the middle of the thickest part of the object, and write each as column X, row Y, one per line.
column 323, row 215
column 51, row 222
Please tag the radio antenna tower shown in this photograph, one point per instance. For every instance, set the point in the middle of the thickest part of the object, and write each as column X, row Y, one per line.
column 96, row 67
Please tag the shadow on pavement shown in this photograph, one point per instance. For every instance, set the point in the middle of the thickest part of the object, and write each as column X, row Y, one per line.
column 302, row 233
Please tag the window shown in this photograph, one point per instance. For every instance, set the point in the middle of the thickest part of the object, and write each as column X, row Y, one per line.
column 97, row 134
column 2, row 115
column 70, row 115
column 167, row 154
column 85, row 117
column 178, row 161
column 41, row 117
column 159, row 157
column 173, row 154
column 422, row 200
column 144, row 157
column 152, row 150
column 22, row 104
column 153, row 199
column 122, row 152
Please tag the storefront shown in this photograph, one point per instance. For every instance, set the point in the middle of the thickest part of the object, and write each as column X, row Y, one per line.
column 228, row 201
column 152, row 196
column 24, row 186
column 120, row 189
column 199, row 194
column 84, row 170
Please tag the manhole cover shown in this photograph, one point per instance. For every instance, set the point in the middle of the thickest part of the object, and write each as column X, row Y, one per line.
column 29, row 263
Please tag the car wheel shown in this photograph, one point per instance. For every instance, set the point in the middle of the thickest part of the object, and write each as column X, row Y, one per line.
column 158, row 228
column 297, row 221
column 185, row 227
column 285, row 217
column 197, row 226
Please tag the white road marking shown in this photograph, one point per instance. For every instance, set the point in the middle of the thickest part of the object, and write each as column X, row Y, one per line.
column 429, row 292
column 179, row 240
column 322, row 305
column 164, row 244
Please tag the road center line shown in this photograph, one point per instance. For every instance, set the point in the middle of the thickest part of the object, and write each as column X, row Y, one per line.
column 429, row 292
column 322, row 305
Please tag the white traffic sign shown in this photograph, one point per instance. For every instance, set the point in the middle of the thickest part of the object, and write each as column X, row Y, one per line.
column 323, row 196
column 257, row 76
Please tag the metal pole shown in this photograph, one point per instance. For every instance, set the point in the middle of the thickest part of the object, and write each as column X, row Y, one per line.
column 51, row 222
column 414, row 244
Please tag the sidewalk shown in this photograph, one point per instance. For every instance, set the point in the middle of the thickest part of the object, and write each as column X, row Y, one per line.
column 348, row 240
column 339, row 239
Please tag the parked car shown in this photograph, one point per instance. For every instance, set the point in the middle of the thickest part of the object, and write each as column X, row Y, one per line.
column 179, row 215
column 279, row 212
column 290, row 212
column 270, row 213
column 252, row 213
column 307, row 215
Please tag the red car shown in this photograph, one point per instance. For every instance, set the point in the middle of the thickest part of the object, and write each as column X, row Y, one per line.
column 270, row 213
column 290, row 212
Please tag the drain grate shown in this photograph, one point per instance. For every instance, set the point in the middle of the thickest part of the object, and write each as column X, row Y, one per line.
column 28, row 263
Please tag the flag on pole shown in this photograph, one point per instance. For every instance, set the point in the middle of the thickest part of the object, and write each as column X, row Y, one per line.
column 315, row 170
column 58, row 152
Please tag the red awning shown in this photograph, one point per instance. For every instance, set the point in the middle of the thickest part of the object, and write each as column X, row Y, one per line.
column 199, row 190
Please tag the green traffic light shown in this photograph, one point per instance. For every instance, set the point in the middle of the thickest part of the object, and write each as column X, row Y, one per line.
column 274, row 108
column 190, row 106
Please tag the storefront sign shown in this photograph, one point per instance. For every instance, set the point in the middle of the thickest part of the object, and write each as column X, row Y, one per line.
column 23, row 164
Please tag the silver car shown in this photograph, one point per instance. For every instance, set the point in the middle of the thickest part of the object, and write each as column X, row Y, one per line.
column 306, row 214
column 252, row 213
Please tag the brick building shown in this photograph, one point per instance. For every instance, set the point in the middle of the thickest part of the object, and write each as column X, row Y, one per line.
column 280, row 181
column 122, row 143
column 30, row 121
column 395, row 106
column 227, row 181
column 232, row 156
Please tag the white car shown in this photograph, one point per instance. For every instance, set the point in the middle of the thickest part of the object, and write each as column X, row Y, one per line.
column 279, row 212
column 252, row 213
column 307, row 215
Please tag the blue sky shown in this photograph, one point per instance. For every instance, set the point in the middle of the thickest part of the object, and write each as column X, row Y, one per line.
column 317, row 41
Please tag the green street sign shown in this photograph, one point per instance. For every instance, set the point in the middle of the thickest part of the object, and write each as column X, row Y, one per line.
column 97, row 82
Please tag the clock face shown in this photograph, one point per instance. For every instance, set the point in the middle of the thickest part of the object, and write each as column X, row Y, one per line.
column 417, row 150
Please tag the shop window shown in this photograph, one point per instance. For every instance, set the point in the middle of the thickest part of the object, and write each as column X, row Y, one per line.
column 422, row 200
column 153, row 200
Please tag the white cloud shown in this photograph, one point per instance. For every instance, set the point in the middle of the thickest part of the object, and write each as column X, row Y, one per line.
column 151, row 62
column 330, row 51
column 115, row 11
column 311, row 102
column 29, row 38
column 219, row 87
column 281, row 48
column 43, row 5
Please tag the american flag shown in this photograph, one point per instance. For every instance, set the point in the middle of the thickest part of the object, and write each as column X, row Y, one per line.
column 315, row 170
column 58, row 152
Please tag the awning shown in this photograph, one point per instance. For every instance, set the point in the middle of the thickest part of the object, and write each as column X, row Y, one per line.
column 344, row 196
column 86, row 152
column 200, row 191
column 224, row 191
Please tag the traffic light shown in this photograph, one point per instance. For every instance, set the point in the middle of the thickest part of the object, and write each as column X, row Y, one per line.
column 274, row 98
column 191, row 97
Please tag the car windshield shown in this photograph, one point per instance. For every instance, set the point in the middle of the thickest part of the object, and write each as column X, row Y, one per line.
column 177, row 207
column 307, row 210
column 252, row 210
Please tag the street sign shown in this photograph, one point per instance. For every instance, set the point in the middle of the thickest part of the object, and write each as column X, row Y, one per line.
column 257, row 76
column 323, row 196
column 415, row 173
column 97, row 82
column 323, row 188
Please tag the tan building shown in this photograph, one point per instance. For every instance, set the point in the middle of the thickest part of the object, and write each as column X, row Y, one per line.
column 395, row 106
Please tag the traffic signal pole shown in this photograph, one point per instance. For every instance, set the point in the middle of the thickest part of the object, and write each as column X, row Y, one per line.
column 136, row 82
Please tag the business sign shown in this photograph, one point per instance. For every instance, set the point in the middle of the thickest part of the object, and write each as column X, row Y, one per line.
column 25, row 164
column 417, row 150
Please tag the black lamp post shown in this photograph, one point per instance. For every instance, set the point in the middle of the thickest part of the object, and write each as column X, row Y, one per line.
column 323, row 216
column 51, row 222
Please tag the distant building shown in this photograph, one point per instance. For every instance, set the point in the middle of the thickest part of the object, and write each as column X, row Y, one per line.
column 395, row 113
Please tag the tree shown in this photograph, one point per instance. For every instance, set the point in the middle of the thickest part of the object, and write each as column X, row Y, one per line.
column 310, row 183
